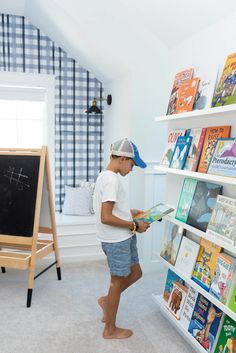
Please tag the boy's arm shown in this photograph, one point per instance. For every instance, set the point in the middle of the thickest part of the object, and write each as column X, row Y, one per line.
column 108, row 218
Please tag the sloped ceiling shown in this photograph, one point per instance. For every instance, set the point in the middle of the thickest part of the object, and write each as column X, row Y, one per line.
column 107, row 36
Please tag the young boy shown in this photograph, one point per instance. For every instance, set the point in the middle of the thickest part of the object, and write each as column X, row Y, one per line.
column 116, row 231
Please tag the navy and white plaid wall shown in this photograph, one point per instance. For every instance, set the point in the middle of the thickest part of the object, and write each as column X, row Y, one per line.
column 79, row 136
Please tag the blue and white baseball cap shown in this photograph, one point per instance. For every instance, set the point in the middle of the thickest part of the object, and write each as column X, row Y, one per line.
column 126, row 148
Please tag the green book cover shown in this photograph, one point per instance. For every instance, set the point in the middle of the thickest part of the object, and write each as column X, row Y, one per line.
column 232, row 302
column 185, row 200
column 227, row 339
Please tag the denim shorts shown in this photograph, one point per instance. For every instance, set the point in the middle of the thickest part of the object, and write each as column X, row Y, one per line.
column 121, row 256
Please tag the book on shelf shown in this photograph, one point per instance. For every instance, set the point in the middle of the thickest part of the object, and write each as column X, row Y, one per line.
column 205, row 322
column 171, row 242
column 187, row 256
column 169, row 149
column 170, row 279
column 225, row 91
column 226, row 342
column 154, row 213
column 212, row 134
column 177, row 299
column 189, row 305
column 195, row 149
column 180, row 77
column 223, row 277
column 222, row 223
column 185, row 199
column 186, row 95
column 180, row 153
column 202, row 205
column 205, row 89
column 223, row 161
column 232, row 300
column 205, row 265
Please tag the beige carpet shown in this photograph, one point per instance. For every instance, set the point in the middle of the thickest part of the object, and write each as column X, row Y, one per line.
column 64, row 316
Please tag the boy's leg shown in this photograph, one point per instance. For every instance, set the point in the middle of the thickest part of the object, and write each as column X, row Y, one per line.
column 134, row 276
column 112, row 303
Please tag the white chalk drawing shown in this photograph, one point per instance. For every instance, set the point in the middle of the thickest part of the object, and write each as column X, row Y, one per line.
column 19, row 179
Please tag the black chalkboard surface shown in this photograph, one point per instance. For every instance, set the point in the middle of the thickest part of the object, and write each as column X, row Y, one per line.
column 18, row 191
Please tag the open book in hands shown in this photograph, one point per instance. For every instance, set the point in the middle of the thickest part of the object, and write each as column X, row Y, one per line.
column 155, row 213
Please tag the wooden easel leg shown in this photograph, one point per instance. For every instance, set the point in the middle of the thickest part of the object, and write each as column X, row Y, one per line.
column 3, row 269
column 30, row 287
column 29, row 297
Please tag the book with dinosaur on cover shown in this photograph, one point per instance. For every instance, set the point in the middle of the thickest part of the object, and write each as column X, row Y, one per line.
column 194, row 153
column 170, row 279
column 177, row 299
column 203, row 202
column 225, row 91
column 212, row 134
column 226, row 342
column 205, row 322
column 169, row 149
column 171, row 242
column 223, row 277
column 179, row 79
column 205, row 265
column 223, row 161
column 185, row 199
column 222, row 223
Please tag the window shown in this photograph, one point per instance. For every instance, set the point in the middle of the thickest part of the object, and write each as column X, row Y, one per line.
column 21, row 123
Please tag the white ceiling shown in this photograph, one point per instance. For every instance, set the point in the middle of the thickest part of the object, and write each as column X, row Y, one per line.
column 107, row 36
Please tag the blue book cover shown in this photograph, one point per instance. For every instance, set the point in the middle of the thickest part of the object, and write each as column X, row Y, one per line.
column 205, row 322
column 180, row 153
column 170, row 279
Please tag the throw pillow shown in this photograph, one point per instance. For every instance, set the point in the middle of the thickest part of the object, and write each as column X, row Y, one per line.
column 91, row 186
column 77, row 201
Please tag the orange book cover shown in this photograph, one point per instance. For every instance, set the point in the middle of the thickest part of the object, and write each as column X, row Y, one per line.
column 187, row 95
column 212, row 134
column 179, row 79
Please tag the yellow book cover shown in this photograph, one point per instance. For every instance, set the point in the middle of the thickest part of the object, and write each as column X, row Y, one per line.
column 206, row 262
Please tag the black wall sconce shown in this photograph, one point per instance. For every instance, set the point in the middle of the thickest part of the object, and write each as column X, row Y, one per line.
column 94, row 108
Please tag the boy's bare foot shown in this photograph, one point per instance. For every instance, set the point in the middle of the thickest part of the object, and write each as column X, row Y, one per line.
column 102, row 302
column 117, row 333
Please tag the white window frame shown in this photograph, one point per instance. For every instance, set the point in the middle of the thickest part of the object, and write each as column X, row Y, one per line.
column 47, row 83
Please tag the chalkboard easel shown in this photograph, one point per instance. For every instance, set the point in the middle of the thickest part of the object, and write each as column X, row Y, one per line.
column 26, row 211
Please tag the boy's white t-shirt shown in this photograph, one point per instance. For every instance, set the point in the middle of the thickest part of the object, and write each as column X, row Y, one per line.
column 109, row 188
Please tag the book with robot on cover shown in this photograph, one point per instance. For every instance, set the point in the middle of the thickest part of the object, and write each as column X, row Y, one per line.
column 213, row 133
column 205, row 265
column 223, row 161
column 171, row 242
column 222, row 223
column 205, row 322
column 169, row 149
column 203, row 202
column 185, row 199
